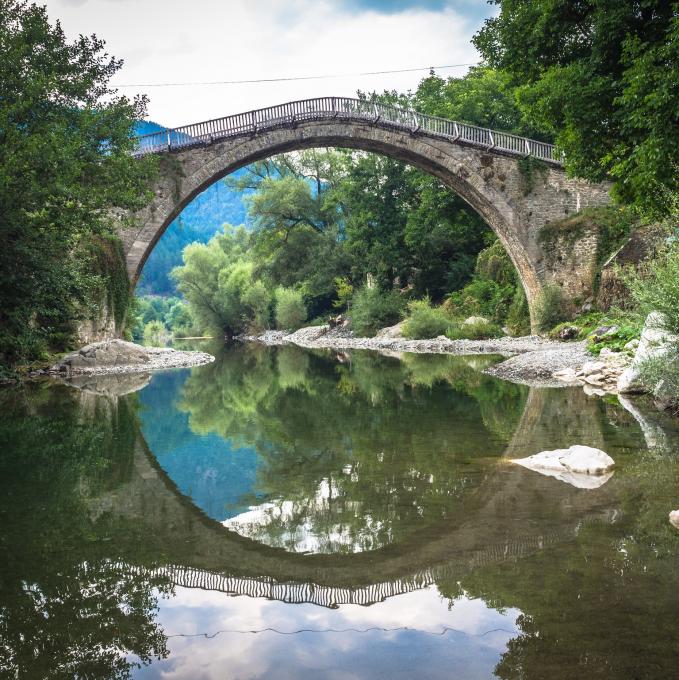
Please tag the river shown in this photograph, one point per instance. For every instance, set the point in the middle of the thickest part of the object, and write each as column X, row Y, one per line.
column 284, row 513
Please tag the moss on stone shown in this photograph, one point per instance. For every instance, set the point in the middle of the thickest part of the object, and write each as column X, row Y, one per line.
column 108, row 262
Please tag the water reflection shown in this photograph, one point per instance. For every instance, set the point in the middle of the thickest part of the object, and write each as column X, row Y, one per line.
column 66, row 609
column 343, row 456
column 114, row 552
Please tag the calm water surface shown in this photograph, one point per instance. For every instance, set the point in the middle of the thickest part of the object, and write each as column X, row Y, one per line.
column 292, row 514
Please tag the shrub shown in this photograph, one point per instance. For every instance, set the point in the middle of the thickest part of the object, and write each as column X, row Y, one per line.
column 291, row 311
column 659, row 290
column 614, row 340
column 155, row 334
column 258, row 299
column 481, row 330
column 372, row 309
column 344, row 290
column 518, row 316
column 424, row 321
column 550, row 308
column 660, row 375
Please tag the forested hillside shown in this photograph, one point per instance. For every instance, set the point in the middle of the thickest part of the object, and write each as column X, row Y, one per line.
column 200, row 220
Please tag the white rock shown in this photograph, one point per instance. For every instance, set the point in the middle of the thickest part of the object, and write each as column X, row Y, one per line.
column 674, row 518
column 307, row 334
column 654, row 344
column 616, row 359
column 586, row 460
column 575, row 465
column 473, row 320
column 592, row 367
column 391, row 332
column 632, row 345
column 593, row 391
column 567, row 375
column 595, row 379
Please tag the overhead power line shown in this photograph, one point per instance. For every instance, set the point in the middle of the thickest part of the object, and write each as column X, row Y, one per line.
column 289, row 79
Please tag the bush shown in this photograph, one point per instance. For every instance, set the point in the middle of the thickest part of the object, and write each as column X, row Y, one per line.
column 659, row 290
column 155, row 334
column 550, row 308
column 424, row 321
column 481, row 330
column 518, row 316
column 372, row 309
column 660, row 375
column 258, row 299
column 614, row 340
column 291, row 311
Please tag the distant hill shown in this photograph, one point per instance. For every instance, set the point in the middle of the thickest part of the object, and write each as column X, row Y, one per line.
column 199, row 221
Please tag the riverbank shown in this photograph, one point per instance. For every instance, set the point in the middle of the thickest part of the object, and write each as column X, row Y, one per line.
column 530, row 360
column 118, row 357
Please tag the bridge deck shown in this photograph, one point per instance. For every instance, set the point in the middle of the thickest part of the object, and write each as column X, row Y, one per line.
column 344, row 108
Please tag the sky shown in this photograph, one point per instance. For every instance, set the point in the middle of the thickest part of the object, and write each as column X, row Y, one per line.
column 193, row 41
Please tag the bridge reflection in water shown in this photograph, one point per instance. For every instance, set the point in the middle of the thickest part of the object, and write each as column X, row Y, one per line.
column 497, row 523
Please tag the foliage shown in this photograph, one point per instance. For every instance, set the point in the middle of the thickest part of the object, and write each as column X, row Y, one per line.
column 215, row 279
column 478, row 330
column 549, row 308
column 424, row 321
column 661, row 376
column 659, row 289
column 344, row 291
column 65, row 138
column 290, row 309
column 518, row 315
column 597, row 76
column 493, row 291
column 373, row 308
column 484, row 97
column 172, row 313
column 615, row 339
column 155, row 334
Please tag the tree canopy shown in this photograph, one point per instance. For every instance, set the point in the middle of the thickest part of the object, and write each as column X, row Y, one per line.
column 65, row 138
column 601, row 77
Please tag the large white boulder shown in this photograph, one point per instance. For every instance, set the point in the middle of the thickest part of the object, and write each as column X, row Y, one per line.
column 653, row 344
column 107, row 353
column 581, row 466
column 391, row 332
column 674, row 518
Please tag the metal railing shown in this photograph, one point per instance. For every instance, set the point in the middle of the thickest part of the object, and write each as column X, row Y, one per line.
column 343, row 108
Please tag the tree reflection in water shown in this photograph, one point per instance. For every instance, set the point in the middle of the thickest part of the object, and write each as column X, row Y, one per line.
column 354, row 453
column 67, row 609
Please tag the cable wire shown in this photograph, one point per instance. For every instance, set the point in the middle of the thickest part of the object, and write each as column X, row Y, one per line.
column 293, row 78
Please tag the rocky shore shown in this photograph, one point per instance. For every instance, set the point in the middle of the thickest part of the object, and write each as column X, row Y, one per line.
column 532, row 360
column 120, row 357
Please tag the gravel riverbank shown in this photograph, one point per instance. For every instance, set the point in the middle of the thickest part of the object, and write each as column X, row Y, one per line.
column 119, row 357
column 532, row 359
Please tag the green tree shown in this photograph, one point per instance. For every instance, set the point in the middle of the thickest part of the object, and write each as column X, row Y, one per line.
column 297, row 239
column 155, row 334
column 290, row 309
column 65, row 142
column 600, row 76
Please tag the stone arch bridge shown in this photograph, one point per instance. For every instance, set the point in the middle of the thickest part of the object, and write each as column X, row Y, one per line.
column 484, row 167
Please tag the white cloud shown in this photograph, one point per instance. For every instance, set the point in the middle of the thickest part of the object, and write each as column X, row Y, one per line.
column 367, row 648
column 172, row 41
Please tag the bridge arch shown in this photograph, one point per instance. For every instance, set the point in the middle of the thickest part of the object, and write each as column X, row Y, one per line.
column 481, row 166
